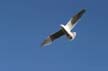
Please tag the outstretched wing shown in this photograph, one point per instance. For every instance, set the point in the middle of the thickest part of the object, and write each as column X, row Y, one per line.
column 52, row 37
column 73, row 21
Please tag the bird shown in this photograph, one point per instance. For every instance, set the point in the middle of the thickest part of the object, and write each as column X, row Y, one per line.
column 65, row 29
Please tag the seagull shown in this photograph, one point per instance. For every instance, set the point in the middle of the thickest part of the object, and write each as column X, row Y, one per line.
column 65, row 29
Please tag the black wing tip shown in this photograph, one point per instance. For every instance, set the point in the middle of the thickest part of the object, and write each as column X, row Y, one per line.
column 83, row 10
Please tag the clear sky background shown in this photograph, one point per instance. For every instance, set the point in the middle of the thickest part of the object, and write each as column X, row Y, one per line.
column 24, row 24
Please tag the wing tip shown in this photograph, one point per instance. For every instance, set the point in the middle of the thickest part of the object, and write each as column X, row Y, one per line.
column 46, row 42
column 83, row 10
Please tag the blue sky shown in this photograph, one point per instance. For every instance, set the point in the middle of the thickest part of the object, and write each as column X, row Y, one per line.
column 24, row 24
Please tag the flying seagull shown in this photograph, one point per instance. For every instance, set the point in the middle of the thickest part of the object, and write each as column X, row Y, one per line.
column 65, row 29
